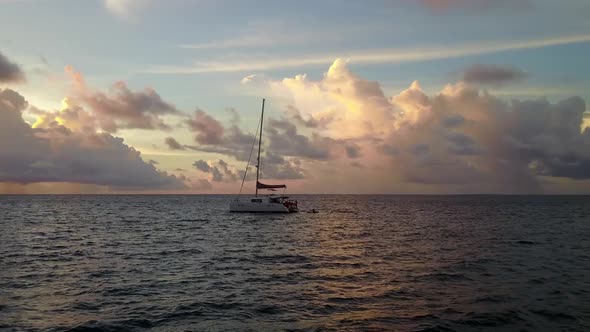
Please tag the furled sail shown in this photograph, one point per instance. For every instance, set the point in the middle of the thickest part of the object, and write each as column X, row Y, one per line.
column 269, row 186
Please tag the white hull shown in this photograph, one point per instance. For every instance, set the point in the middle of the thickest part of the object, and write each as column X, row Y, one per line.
column 264, row 204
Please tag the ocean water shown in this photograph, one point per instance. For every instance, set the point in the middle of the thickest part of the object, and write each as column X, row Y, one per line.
column 363, row 263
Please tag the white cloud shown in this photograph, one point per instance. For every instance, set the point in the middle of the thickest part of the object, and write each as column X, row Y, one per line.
column 459, row 140
column 124, row 8
column 52, row 152
column 248, row 79
column 244, row 63
column 245, row 41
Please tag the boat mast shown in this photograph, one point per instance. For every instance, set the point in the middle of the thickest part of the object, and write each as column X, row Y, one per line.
column 259, row 146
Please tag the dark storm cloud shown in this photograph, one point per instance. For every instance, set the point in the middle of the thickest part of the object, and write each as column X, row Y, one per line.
column 55, row 153
column 492, row 74
column 10, row 72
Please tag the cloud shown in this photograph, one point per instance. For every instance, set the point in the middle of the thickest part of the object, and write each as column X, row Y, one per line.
column 444, row 5
column 201, row 184
column 220, row 170
column 10, row 72
column 320, row 121
column 70, row 116
column 284, row 170
column 244, row 41
column 284, row 148
column 125, row 8
column 202, row 166
column 492, row 74
column 208, row 129
column 235, row 115
column 121, row 108
column 214, row 137
column 268, row 32
column 585, row 122
column 343, row 133
column 248, row 79
column 173, row 144
column 57, row 154
column 353, row 151
column 343, row 103
column 459, row 140
column 283, row 138
column 419, row 54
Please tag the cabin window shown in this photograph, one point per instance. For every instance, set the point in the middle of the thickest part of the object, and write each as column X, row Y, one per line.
column 256, row 201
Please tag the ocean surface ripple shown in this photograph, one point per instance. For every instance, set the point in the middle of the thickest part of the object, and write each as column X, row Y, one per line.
column 363, row 263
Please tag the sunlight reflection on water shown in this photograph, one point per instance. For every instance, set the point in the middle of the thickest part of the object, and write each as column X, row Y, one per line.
column 383, row 262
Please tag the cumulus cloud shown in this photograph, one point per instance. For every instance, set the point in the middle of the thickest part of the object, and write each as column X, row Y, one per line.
column 173, row 144
column 202, row 166
column 121, row 108
column 492, row 74
column 280, row 168
column 214, row 137
column 338, row 90
column 459, row 140
column 10, row 72
column 208, row 130
column 70, row 116
column 322, row 121
column 499, row 144
column 284, row 138
column 272, row 167
column 220, row 170
column 52, row 152
column 344, row 133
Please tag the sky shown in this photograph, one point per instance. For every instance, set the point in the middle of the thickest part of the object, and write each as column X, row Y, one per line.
column 371, row 97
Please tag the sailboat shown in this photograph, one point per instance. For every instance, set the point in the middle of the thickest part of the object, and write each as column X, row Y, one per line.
column 262, row 203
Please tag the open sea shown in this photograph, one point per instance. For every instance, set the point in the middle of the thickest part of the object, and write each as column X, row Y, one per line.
column 363, row 263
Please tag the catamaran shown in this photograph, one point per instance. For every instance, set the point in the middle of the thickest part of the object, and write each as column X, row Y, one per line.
column 262, row 203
